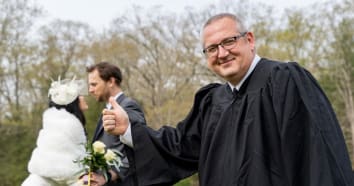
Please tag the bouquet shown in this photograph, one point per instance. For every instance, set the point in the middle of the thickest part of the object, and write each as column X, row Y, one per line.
column 99, row 159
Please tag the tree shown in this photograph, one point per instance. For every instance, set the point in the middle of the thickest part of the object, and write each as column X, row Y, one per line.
column 165, row 71
column 340, row 54
column 16, row 51
column 63, row 48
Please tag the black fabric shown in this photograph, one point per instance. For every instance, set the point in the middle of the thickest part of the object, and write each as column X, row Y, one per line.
column 126, row 173
column 280, row 130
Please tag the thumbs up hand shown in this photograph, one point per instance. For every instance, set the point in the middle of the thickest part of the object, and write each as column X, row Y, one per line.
column 115, row 121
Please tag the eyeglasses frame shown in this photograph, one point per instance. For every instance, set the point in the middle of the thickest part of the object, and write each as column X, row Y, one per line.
column 222, row 43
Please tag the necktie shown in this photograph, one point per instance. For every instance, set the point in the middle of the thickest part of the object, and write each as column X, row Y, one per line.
column 235, row 92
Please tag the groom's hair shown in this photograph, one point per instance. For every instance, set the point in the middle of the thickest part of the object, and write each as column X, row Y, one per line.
column 73, row 108
column 106, row 71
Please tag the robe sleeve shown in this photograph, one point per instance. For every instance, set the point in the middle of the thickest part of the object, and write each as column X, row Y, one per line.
column 312, row 144
column 170, row 154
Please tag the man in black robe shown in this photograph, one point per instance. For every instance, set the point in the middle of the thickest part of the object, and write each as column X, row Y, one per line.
column 269, row 125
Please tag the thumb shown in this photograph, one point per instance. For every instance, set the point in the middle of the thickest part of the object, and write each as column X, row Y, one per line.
column 113, row 102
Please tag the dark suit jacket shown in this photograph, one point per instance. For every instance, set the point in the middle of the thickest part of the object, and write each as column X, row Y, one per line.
column 136, row 117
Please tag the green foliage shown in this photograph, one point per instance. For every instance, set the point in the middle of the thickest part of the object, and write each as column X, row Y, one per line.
column 185, row 182
column 17, row 143
column 190, row 181
column 92, row 115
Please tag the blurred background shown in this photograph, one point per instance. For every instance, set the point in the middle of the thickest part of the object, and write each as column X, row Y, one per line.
column 159, row 52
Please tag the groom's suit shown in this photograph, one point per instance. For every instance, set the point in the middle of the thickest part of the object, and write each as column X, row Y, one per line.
column 127, row 175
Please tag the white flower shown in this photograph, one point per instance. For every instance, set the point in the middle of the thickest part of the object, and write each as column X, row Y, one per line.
column 110, row 155
column 98, row 147
column 97, row 160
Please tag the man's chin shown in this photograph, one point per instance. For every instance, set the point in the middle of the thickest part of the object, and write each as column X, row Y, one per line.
column 229, row 76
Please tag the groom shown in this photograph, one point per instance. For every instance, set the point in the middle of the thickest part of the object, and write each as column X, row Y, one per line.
column 104, row 81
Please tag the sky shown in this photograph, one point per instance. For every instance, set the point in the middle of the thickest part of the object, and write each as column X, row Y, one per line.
column 99, row 13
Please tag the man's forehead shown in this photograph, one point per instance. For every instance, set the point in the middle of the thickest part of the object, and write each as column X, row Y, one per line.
column 94, row 79
column 94, row 75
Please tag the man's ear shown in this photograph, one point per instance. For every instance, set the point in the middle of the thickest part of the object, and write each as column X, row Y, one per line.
column 251, row 40
column 111, row 81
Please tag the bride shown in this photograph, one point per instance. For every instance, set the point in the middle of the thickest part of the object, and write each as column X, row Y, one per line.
column 62, row 138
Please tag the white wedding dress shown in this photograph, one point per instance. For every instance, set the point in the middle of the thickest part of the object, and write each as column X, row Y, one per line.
column 61, row 141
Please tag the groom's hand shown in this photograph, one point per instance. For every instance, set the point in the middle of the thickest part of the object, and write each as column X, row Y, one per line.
column 115, row 121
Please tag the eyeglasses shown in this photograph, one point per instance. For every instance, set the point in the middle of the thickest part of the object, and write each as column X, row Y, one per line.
column 227, row 44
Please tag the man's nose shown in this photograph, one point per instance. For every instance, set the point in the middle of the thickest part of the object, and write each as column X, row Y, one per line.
column 222, row 52
column 91, row 90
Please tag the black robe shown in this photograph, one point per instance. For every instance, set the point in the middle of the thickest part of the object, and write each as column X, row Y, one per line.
column 280, row 130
